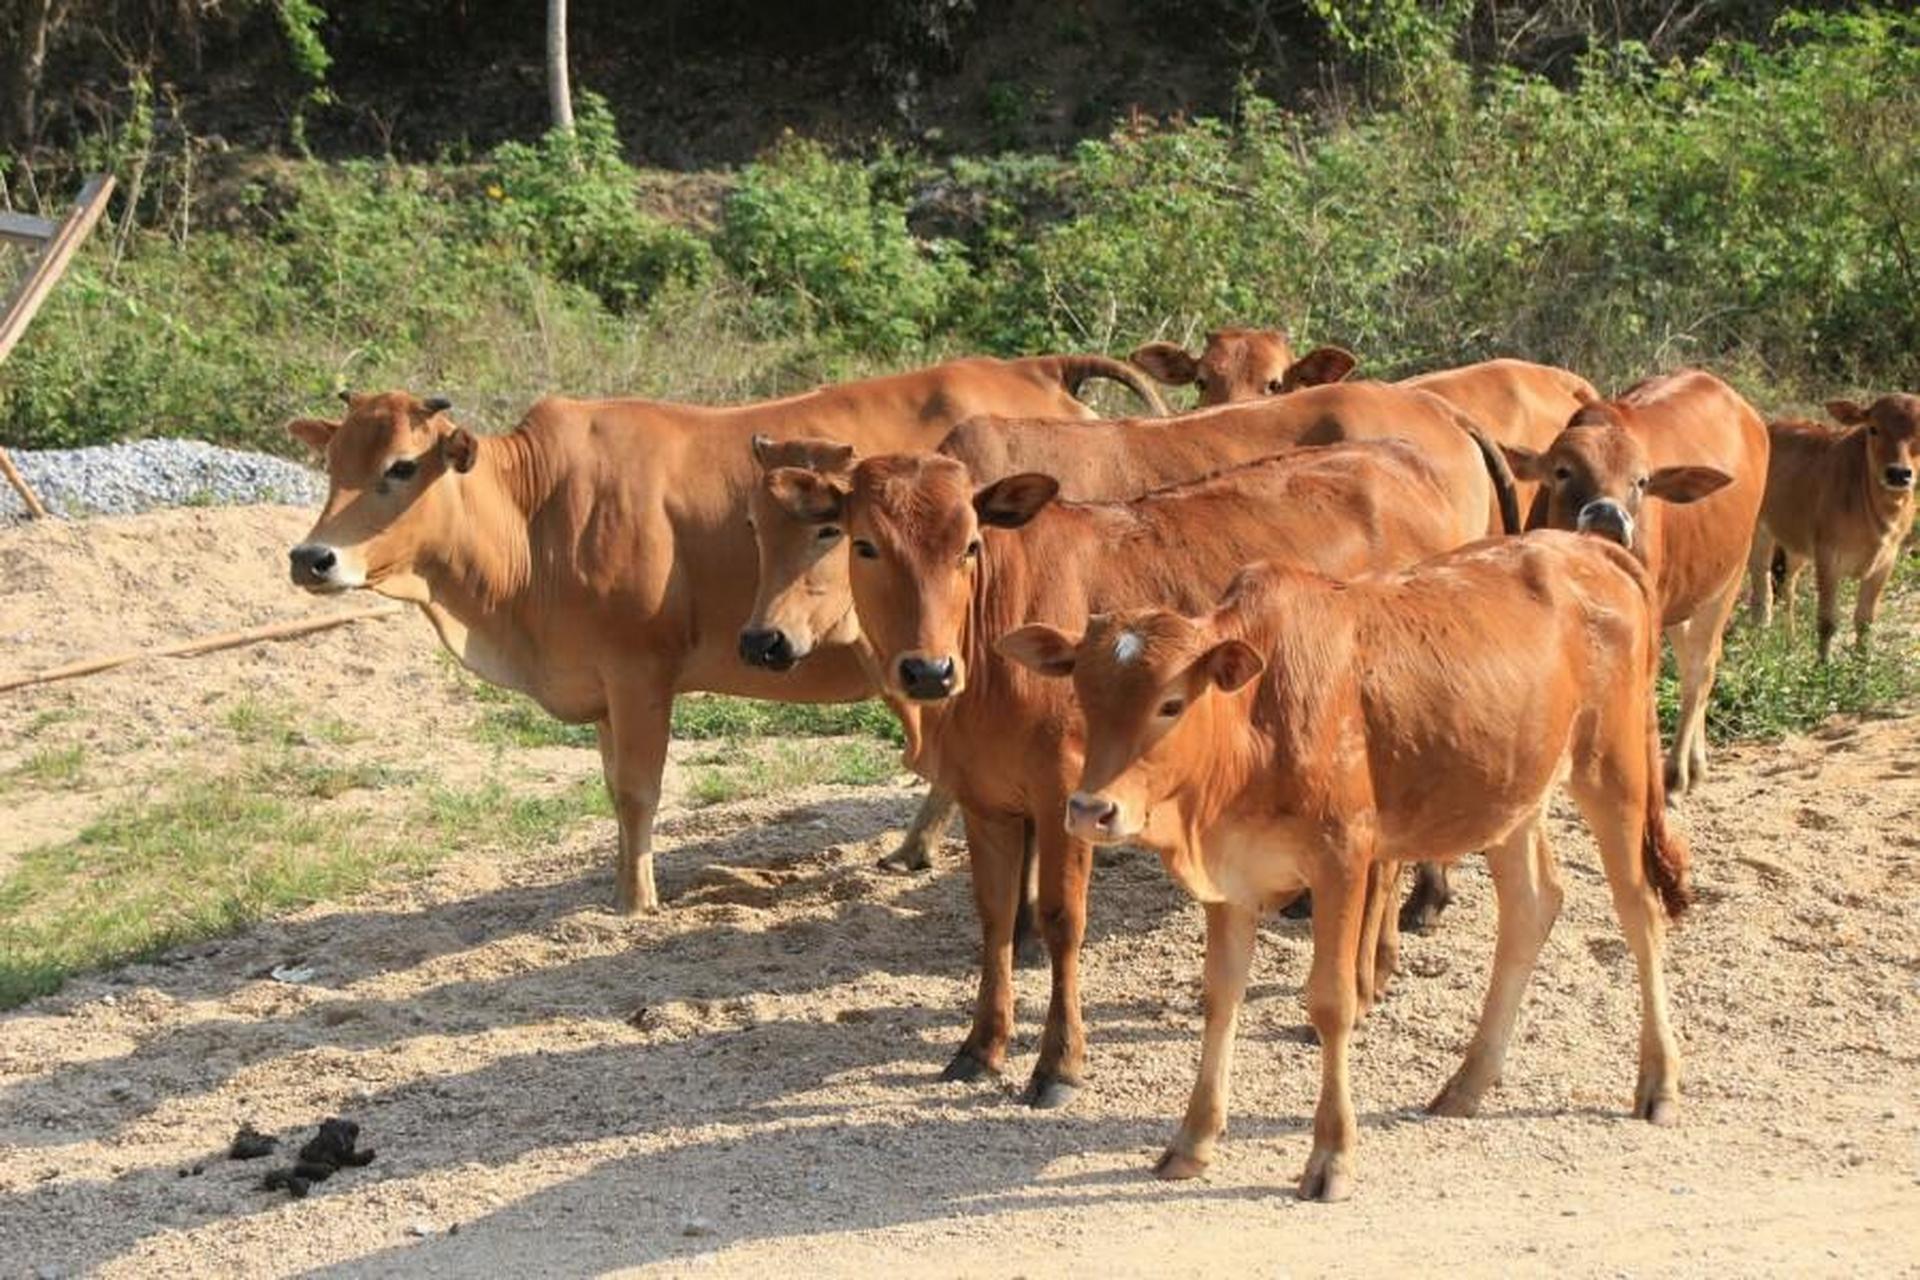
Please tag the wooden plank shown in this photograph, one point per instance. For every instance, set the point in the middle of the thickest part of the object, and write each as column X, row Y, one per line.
column 53, row 260
column 24, row 228
column 21, row 487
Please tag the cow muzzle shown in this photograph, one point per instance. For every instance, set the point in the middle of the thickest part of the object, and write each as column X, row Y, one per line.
column 926, row 679
column 1607, row 519
column 319, row 567
column 767, row 647
column 1095, row 818
column 1899, row 479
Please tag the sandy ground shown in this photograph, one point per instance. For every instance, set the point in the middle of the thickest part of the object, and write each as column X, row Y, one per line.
column 749, row 1080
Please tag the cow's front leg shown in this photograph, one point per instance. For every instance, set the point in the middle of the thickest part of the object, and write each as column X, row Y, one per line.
column 996, row 849
column 633, row 751
column 1339, row 903
column 930, row 822
column 1065, row 866
column 1230, row 934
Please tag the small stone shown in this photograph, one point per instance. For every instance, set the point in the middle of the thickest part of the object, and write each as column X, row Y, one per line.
column 420, row 1229
column 696, row 1226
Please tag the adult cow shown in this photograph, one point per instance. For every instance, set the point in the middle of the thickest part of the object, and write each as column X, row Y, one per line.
column 1242, row 364
column 597, row 558
column 1306, row 729
column 939, row 570
column 1842, row 499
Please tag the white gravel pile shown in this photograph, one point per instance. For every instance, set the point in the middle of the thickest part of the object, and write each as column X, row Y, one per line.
column 123, row 479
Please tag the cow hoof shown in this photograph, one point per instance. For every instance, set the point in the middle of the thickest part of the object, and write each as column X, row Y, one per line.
column 965, row 1068
column 1045, row 1093
column 1029, row 950
column 1454, row 1103
column 906, row 860
column 1664, row 1112
column 1177, row 1166
column 1326, row 1179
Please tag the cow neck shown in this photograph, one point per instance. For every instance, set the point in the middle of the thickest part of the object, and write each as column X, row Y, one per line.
column 486, row 570
column 1226, row 751
column 994, row 607
column 1882, row 505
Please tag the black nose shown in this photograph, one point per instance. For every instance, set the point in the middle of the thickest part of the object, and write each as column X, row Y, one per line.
column 926, row 680
column 312, row 562
column 1607, row 519
column 765, row 647
column 1900, row 477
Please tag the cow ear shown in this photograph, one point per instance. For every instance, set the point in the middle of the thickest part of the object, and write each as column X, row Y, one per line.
column 1010, row 503
column 435, row 404
column 1525, row 463
column 1166, row 362
column 316, row 433
column 807, row 497
column 1232, row 664
column 761, row 446
column 460, row 449
column 1686, row 484
column 1847, row 412
column 1318, row 367
column 1040, row 648
column 831, row 457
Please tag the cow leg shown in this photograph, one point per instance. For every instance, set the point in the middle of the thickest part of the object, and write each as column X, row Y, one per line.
column 1432, row 891
column 1065, row 866
column 1339, row 903
column 1614, row 804
column 1379, row 953
column 1867, row 607
column 1230, row 935
column 1526, row 886
column 996, row 846
column 1760, row 579
column 930, row 823
column 1029, row 948
column 633, row 751
column 1826, row 586
column 1790, row 588
column 1696, row 647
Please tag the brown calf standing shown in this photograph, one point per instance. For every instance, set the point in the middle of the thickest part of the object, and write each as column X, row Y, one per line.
column 1306, row 729
column 938, row 571
column 1842, row 499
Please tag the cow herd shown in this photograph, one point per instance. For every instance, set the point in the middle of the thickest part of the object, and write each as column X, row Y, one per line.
column 1290, row 641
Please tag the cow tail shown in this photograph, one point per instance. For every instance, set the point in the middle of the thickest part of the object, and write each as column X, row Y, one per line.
column 1077, row 370
column 1664, row 852
column 1499, row 472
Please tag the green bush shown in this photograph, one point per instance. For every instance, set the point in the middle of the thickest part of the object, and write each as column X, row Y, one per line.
column 835, row 253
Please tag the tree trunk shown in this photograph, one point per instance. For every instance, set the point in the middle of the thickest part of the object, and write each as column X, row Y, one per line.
column 559, row 92
column 20, row 70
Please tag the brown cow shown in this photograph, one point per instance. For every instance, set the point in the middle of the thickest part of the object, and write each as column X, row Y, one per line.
column 1242, row 364
column 1842, row 499
column 597, row 558
column 939, row 570
column 1307, row 729
column 1688, row 439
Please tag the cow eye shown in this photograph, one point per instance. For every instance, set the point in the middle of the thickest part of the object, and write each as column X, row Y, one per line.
column 1275, row 386
column 866, row 550
column 403, row 470
column 827, row 533
column 1563, row 473
column 973, row 550
column 1872, row 430
column 1641, row 483
column 1199, row 383
column 1171, row 708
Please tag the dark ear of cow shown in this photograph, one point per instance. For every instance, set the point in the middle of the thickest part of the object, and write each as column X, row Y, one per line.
column 1166, row 362
column 806, row 496
column 1525, row 463
column 1847, row 412
column 314, row 432
column 1040, row 648
column 1010, row 503
column 1686, row 484
column 436, row 404
column 460, row 449
column 1318, row 367
column 1232, row 664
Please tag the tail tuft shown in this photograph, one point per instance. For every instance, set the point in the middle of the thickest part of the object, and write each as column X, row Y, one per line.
column 1667, row 858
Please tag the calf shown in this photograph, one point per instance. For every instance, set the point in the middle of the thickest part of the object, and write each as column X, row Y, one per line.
column 1842, row 499
column 1690, row 441
column 938, row 570
column 1307, row 729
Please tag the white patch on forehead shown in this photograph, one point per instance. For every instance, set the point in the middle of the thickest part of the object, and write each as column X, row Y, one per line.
column 1127, row 646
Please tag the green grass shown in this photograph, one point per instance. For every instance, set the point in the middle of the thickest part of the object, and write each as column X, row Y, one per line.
column 718, row 776
column 52, row 766
column 714, row 716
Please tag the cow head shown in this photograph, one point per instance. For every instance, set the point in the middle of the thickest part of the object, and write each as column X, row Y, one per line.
column 795, row 508
column 1893, row 431
column 1595, row 477
column 1243, row 364
column 390, row 464
column 915, row 524
column 1138, row 676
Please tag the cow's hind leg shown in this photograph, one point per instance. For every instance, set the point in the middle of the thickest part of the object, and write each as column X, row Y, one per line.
column 1867, row 606
column 1432, row 891
column 1526, row 886
column 1696, row 650
column 1379, row 955
column 930, row 823
column 1339, row 904
column 633, row 751
column 1760, row 578
column 996, row 846
column 1065, row 865
column 1230, row 935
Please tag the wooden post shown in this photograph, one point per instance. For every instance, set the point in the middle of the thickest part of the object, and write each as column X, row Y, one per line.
column 21, row 487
